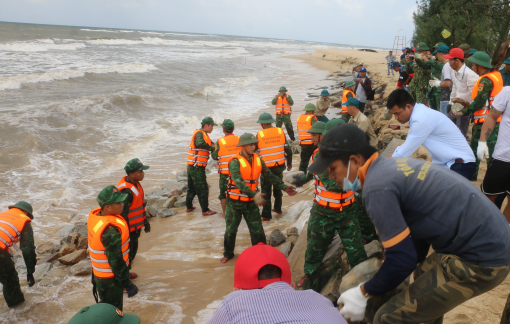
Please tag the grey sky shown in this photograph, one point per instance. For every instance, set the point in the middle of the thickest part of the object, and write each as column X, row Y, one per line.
column 356, row 22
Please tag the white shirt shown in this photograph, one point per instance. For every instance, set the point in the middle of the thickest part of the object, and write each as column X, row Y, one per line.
column 360, row 92
column 502, row 103
column 438, row 134
column 463, row 82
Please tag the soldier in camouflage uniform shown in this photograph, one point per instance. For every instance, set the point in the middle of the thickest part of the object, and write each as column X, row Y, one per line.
column 435, row 67
column 237, row 209
column 284, row 118
column 8, row 274
column 420, row 82
column 306, row 149
column 111, row 290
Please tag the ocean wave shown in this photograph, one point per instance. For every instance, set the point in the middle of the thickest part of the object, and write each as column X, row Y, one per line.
column 227, row 84
column 42, row 45
column 15, row 82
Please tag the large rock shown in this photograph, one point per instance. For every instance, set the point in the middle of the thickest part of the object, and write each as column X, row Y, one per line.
column 373, row 248
column 182, row 176
column 66, row 249
column 297, row 255
column 55, row 248
column 286, row 249
column 166, row 213
column 74, row 257
column 41, row 270
column 44, row 248
column 170, row 185
column 82, row 243
column 276, row 238
column 82, row 268
column 152, row 210
column 65, row 231
column 73, row 238
column 156, row 200
column 170, row 202
column 82, row 229
column 54, row 277
column 392, row 146
column 181, row 202
column 48, row 258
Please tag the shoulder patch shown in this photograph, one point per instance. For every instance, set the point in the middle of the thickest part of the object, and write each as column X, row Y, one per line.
column 480, row 87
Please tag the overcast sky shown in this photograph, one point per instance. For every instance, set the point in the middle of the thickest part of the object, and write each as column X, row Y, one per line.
column 355, row 22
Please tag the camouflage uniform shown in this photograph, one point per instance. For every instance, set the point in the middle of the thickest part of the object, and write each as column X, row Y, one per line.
column 268, row 186
column 236, row 210
column 197, row 180
column 441, row 283
column 433, row 93
column 223, row 182
column 420, row 82
column 285, row 119
column 135, row 235
column 306, row 154
column 8, row 274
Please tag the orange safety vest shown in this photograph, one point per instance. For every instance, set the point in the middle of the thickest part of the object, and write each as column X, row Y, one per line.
column 96, row 226
column 250, row 174
column 497, row 81
column 283, row 106
column 344, row 100
column 330, row 199
column 198, row 156
column 228, row 149
column 136, row 213
column 304, row 123
column 272, row 146
column 12, row 222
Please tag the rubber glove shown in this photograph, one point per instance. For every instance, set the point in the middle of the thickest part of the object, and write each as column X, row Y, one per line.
column 30, row 279
column 482, row 152
column 434, row 83
column 354, row 303
column 132, row 290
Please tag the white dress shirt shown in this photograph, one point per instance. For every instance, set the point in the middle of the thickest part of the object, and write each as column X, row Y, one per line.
column 463, row 82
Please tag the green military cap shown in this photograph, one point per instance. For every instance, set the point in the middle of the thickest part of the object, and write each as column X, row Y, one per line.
column 310, row 107
column 317, row 128
column 332, row 123
column 23, row 205
column 246, row 139
column 135, row 165
column 360, row 64
column 228, row 125
column 349, row 84
column 507, row 61
column 103, row 313
column 481, row 58
column 110, row 195
column 208, row 121
column 438, row 44
column 465, row 48
column 266, row 118
column 422, row 47
column 352, row 102
column 282, row 89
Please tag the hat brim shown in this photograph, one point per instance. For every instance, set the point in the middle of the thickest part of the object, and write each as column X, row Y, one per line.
column 320, row 164
column 266, row 121
column 434, row 53
column 507, row 61
column 449, row 57
column 324, row 95
column 130, row 319
column 482, row 63
column 251, row 142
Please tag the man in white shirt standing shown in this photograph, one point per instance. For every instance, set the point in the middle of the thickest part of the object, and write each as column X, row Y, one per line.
column 390, row 58
column 445, row 143
column 464, row 80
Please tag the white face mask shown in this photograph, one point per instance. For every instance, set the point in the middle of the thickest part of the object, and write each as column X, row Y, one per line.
column 348, row 185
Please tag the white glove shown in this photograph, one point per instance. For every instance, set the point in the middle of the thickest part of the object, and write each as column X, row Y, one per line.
column 434, row 83
column 482, row 151
column 354, row 304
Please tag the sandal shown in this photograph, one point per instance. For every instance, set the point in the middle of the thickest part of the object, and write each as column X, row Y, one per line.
column 265, row 219
column 209, row 213
column 224, row 260
column 191, row 209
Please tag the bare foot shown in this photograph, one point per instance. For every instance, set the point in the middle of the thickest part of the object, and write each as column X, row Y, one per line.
column 133, row 275
column 278, row 212
column 209, row 213
column 224, row 260
column 190, row 210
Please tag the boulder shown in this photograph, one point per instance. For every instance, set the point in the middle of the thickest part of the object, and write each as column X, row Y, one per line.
column 82, row 268
column 182, row 176
column 82, row 229
column 170, row 185
column 152, row 210
column 66, row 249
column 73, row 238
column 48, row 258
column 169, row 202
column 55, row 248
column 44, row 248
column 71, row 216
column 157, row 193
column 183, row 186
column 276, row 238
column 41, row 270
column 65, row 231
column 373, row 248
column 181, row 202
column 54, row 277
column 175, row 192
column 19, row 262
column 292, row 238
column 74, row 257
column 156, row 200
column 297, row 255
column 164, row 213
column 392, row 146
column 286, row 249
column 292, row 231
column 83, row 243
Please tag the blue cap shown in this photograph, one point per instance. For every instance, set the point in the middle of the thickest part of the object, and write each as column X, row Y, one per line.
column 394, row 64
column 363, row 69
column 442, row 49
column 507, row 61
column 352, row 102
column 473, row 51
column 324, row 93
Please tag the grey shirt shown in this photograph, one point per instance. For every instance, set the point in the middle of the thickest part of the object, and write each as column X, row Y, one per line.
column 438, row 206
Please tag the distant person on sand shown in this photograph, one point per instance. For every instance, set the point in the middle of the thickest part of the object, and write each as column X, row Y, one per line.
column 363, row 88
column 245, row 169
column 263, row 293
column 390, row 58
column 323, row 104
column 283, row 103
column 200, row 149
column 15, row 227
column 304, row 123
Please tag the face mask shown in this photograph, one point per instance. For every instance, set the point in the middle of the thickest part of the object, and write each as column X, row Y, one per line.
column 348, row 185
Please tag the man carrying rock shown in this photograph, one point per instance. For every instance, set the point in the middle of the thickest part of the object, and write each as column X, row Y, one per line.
column 283, row 103
column 304, row 123
column 15, row 227
column 200, row 149
column 245, row 168
column 134, row 206
column 322, row 105
column 360, row 120
column 347, row 93
column 226, row 149
column 275, row 151
column 416, row 205
column 108, row 237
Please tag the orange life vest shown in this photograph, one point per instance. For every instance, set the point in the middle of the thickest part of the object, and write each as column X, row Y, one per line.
column 330, row 199
column 228, row 149
column 198, row 156
column 344, row 100
column 497, row 81
column 304, row 123
column 272, row 146
column 12, row 222
column 250, row 174
column 136, row 213
column 283, row 106
column 96, row 225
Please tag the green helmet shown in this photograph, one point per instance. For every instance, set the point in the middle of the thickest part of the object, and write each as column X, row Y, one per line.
column 310, row 107
column 349, row 84
column 465, row 48
column 246, row 139
column 317, row 128
column 110, row 195
column 208, row 121
column 228, row 125
column 103, row 313
column 266, row 118
column 282, row 89
column 422, row 47
column 23, row 205
column 134, row 165
column 332, row 123
column 481, row 58
column 439, row 44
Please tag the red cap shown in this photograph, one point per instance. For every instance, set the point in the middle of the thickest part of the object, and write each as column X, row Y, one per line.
column 455, row 53
column 248, row 264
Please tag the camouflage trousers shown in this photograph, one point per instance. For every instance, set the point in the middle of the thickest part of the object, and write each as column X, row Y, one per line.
column 285, row 119
column 419, row 93
column 306, row 154
column 110, row 291
column 491, row 144
column 441, row 283
column 223, row 186
column 10, row 281
column 434, row 98
column 322, row 225
column 234, row 213
column 365, row 223
column 346, row 117
column 197, row 186
column 267, row 188
column 133, row 245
